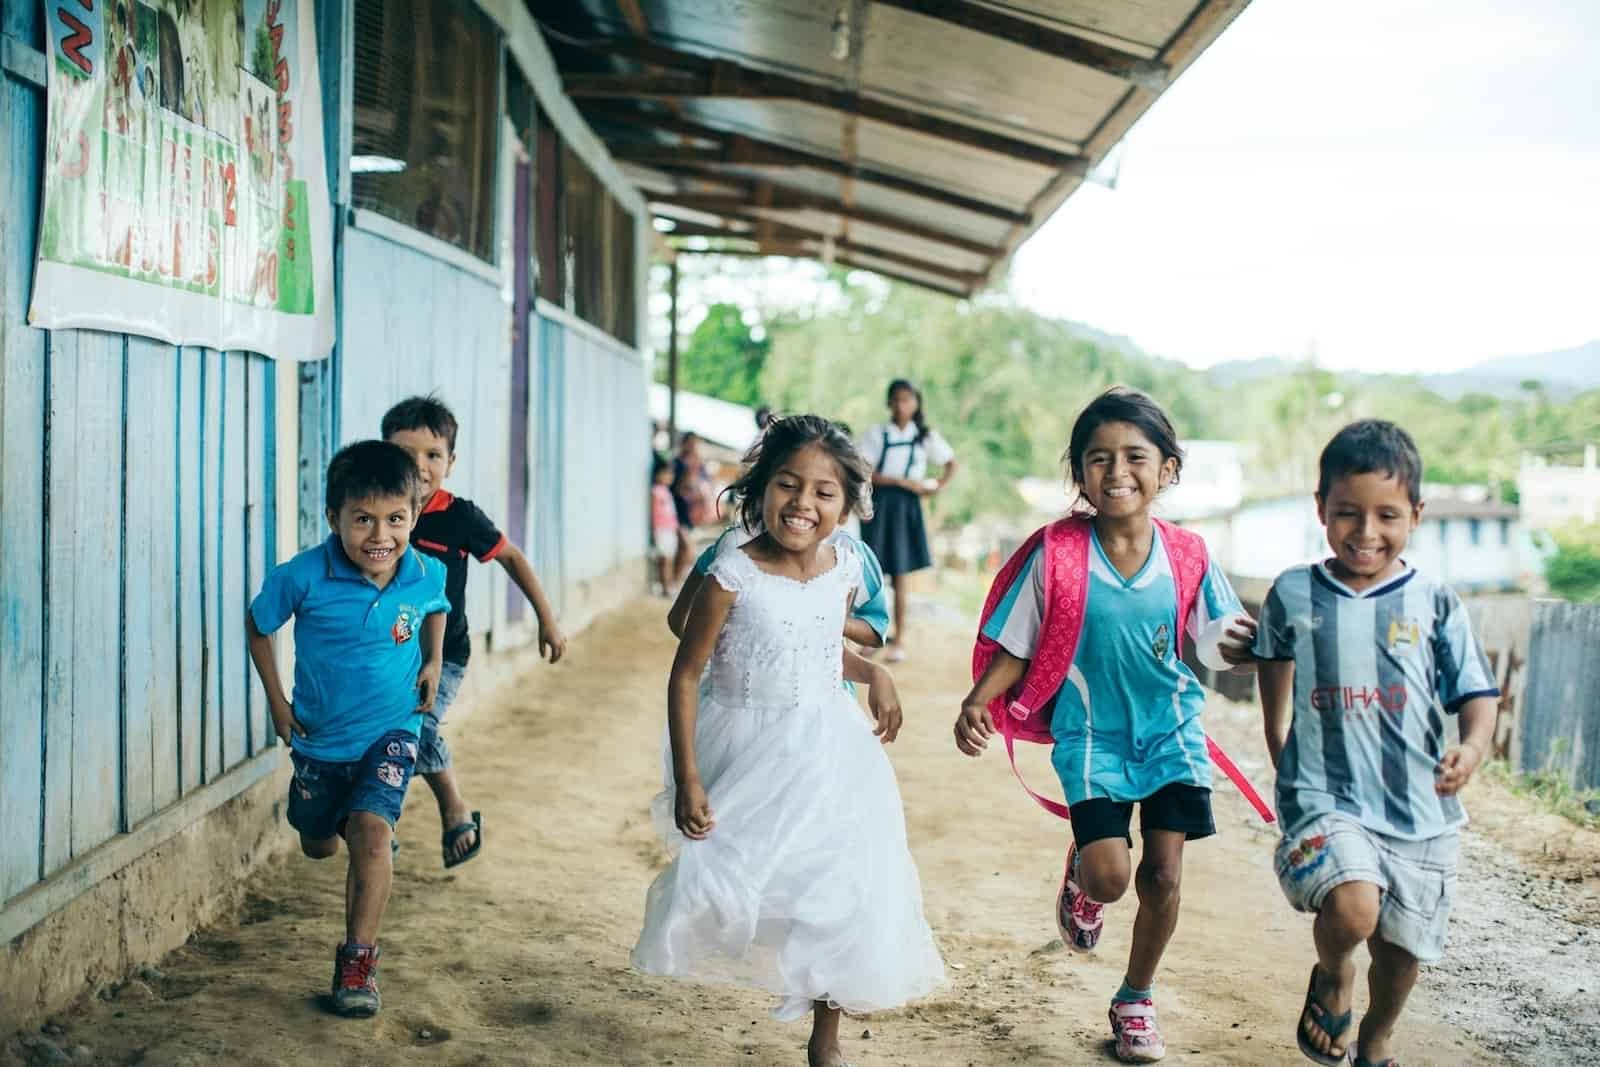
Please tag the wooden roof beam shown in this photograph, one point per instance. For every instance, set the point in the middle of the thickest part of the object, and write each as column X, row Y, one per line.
column 741, row 148
column 691, row 75
column 778, row 248
column 1061, row 44
column 789, row 200
column 786, row 232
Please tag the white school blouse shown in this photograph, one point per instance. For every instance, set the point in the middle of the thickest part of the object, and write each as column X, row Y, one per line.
column 893, row 451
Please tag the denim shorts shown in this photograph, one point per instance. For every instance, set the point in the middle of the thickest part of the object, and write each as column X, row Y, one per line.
column 433, row 755
column 1416, row 880
column 323, row 795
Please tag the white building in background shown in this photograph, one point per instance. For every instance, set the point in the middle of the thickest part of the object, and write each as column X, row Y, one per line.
column 1475, row 545
column 1212, row 481
column 1553, row 496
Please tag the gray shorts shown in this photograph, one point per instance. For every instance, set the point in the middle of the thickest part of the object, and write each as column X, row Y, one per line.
column 1416, row 880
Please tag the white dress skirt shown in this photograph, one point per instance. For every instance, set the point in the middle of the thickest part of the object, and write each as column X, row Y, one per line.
column 805, row 887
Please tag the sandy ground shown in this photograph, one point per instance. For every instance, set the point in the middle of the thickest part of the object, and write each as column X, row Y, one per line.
column 520, row 957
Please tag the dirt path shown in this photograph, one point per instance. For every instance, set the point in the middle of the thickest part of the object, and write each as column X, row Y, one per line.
column 520, row 957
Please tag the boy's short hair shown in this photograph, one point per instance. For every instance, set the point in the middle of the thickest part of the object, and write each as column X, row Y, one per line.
column 422, row 413
column 1372, row 446
column 372, row 468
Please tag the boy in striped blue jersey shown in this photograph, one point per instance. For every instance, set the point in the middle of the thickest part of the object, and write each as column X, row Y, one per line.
column 1373, row 657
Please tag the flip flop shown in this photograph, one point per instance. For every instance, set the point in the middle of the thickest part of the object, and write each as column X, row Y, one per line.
column 454, row 834
column 1335, row 1026
column 1361, row 1061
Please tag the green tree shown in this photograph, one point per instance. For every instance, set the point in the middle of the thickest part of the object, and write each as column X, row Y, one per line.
column 1574, row 570
column 723, row 357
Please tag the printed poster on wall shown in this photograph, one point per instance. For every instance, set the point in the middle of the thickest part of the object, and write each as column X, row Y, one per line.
column 185, row 193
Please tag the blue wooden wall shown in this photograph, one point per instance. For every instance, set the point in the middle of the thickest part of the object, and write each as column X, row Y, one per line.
column 413, row 323
column 136, row 516
column 591, row 433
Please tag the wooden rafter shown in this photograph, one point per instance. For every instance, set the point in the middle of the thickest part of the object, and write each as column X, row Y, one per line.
column 792, row 200
column 1061, row 44
column 739, row 148
column 696, row 76
column 766, row 229
column 774, row 248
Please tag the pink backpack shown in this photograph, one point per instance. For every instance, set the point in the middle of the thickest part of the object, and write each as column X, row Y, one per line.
column 1024, row 712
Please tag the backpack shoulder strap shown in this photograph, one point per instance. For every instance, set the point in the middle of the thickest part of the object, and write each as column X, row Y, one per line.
column 1187, row 555
column 1066, row 583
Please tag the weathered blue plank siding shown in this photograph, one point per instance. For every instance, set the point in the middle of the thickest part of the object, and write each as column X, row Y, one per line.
column 416, row 324
column 23, row 502
column 604, row 453
column 133, row 519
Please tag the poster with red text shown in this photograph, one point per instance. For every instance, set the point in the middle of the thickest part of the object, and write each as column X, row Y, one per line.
column 185, row 189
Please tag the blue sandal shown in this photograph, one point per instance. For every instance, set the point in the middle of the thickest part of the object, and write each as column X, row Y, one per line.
column 1335, row 1026
column 455, row 833
column 1358, row 1060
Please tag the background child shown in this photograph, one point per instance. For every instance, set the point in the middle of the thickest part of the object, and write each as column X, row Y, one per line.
column 792, row 872
column 451, row 528
column 1127, row 725
column 899, row 452
column 362, row 670
column 1369, row 652
column 663, row 523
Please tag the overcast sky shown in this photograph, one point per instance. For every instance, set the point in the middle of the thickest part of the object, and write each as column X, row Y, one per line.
column 1386, row 184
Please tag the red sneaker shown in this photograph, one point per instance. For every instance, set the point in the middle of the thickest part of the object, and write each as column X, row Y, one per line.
column 1078, row 918
column 355, row 981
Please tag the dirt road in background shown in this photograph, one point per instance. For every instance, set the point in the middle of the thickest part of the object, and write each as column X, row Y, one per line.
column 520, row 957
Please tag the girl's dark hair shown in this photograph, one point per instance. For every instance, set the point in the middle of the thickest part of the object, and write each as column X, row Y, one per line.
column 1371, row 446
column 923, row 429
column 658, row 463
column 787, row 434
column 1122, row 404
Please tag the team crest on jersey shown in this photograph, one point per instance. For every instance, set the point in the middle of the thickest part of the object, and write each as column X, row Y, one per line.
column 1404, row 634
column 1162, row 643
column 405, row 624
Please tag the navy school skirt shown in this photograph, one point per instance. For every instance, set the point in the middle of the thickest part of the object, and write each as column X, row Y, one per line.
column 896, row 531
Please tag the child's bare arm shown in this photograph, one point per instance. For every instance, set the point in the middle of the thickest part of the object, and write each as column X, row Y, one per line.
column 692, row 810
column 1477, row 718
column 283, row 721
column 883, row 699
column 678, row 614
column 1276, row 679
column 432, row 659
column 552, row 642
column 974, row 726
column 861, row 632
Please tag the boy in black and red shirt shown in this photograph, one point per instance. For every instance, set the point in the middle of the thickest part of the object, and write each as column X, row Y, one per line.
column 452, row 528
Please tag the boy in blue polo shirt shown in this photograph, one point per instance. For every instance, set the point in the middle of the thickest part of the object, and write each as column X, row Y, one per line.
column 1371, row 656
column 369, row 615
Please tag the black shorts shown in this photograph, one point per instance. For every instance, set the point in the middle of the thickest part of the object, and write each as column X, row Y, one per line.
column 1179, row 807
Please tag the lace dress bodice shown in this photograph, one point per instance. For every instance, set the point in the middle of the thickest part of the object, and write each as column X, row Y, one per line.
column 782, row 644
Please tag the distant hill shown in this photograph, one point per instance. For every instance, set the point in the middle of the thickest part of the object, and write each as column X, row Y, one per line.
column 1563, row 373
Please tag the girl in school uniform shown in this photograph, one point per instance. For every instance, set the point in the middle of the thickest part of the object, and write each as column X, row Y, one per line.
column 900, row 452
column 1124, row 709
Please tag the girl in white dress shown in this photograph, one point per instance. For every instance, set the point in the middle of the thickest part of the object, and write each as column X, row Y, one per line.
column 791, row 872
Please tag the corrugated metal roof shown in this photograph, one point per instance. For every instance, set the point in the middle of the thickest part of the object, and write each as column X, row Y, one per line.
column 925, row 139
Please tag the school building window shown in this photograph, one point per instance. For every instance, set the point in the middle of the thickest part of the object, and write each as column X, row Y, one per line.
column 585, row 259
column 1505, row 532
column 426, row 96
column 1475, row 529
